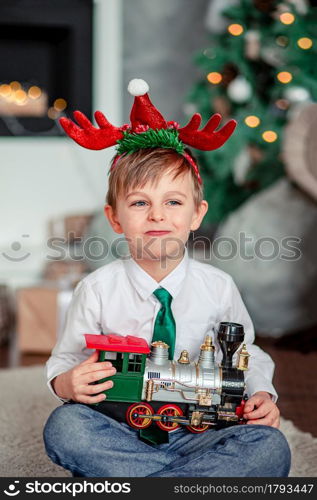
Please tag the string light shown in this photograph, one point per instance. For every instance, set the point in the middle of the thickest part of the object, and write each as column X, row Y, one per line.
column 60, row 104
column 15, row 86
column 20, row 97
column 214, row 77
column 269, row 136
column 252, row 121
column 305, row 43
column 287, row 18
column 52, row 113
column 235, row 29
column 21, row 100
column 284, row 76
column 5, row 90
column 34, row 92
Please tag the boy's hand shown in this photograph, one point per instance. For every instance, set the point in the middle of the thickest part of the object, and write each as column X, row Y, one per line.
column 77, row 383
column 260, row 409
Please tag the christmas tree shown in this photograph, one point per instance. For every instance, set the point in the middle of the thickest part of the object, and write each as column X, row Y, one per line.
column 260, row 66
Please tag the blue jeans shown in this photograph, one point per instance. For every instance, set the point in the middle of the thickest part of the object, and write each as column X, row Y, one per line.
column 91, row 444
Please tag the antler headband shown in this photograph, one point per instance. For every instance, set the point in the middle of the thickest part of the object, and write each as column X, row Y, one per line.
column 148, row 129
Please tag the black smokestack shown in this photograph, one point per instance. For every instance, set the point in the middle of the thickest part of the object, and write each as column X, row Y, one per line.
column 230, row 336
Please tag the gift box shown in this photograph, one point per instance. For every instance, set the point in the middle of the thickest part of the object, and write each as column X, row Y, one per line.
column 41, row 315
column 65, row 272
column 70, row 227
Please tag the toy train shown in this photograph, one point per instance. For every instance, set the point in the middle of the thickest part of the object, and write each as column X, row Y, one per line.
column 197, row 395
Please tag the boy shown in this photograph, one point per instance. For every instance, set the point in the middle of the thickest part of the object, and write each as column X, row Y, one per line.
column 155, row 199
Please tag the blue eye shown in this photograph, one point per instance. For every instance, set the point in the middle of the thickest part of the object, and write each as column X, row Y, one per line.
column 174, row 202
column 138, row 204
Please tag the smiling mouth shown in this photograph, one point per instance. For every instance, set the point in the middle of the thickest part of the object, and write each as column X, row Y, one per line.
column 157, row 233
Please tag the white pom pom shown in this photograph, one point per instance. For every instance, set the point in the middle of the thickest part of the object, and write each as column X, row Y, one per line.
column 138, row 87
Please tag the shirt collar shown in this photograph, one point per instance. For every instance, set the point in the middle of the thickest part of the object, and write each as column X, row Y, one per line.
column 145, row 284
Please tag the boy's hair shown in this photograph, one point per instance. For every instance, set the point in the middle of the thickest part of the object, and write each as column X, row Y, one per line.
column 147, row 165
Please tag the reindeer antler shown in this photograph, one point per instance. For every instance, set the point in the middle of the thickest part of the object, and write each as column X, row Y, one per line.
column 87, row 135
column 206, row 139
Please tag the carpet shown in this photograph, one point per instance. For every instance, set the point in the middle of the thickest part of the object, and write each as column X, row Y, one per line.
column 26, row 403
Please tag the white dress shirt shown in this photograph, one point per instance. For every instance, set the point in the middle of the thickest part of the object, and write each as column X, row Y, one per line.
column 118, row 298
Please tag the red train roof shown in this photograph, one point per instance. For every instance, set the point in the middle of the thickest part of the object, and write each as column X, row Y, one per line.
column 117, row 343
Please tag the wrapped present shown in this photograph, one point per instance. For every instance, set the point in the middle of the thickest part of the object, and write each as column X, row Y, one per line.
column 41, row 314
column 65, row 273
column 70, row 228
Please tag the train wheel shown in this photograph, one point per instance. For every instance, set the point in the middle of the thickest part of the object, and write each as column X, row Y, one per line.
column 196, row 429
column 169, row 410
column 134, row 412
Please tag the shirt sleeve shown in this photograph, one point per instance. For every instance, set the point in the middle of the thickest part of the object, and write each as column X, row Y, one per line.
column 261, row 366
column 83, row 316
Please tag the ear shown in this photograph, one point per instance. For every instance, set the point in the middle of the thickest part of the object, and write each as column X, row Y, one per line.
column 113, row 220
column 199, row 214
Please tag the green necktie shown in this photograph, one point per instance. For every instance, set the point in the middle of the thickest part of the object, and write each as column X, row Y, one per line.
column 164, row 327
column 165, row 330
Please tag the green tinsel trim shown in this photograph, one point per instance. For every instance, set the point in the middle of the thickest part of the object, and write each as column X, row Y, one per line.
column 160, row 138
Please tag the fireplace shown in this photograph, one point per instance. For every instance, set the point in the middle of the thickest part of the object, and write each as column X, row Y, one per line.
column 45, row 64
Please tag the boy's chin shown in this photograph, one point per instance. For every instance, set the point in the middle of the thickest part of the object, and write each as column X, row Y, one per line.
column 157, row 249
column 158, row 255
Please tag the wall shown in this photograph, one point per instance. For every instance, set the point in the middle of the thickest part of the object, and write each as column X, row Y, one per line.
column 160, row 40
column 46, row 177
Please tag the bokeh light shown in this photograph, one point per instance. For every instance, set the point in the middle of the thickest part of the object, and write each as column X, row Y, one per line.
column 52, row 113
column 60, row 104
column 287, row 18
column 15, row 86
column 305, row 43
column 34, row 92
column 235, row 29
column 5, row 90
column 284, row 76
column 214, row 77
column 20, row 97
column 252, row 121
column 269, row 136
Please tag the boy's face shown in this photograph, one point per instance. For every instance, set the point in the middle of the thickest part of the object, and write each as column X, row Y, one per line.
column 157, row 219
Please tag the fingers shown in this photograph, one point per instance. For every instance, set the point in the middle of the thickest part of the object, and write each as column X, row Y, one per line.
column 256, row 401
column 93, row 357
column 93, row 367
column 86, row 393
column 89, row 394
column 85, row 375
column 266, row 414
column 259, row 412
column 89, row 400
column 89, row 378
column 92, row 364
column 249, row 406
column 97, row 388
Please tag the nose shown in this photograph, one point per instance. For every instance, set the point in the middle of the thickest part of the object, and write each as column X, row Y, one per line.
column 156, row 214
